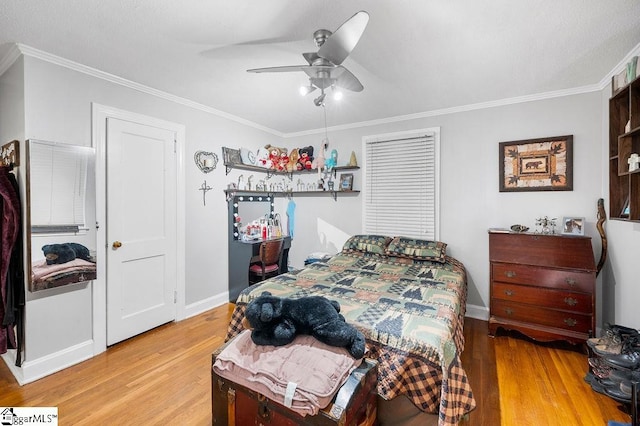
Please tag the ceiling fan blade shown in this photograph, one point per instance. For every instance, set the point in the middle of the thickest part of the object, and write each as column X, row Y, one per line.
column 346, row 80
column 340, row 44
column 290, row 68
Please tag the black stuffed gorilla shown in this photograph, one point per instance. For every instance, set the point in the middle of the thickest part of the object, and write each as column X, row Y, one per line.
column 277, row 321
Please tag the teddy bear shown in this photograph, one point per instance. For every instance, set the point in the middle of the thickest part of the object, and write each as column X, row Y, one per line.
column 293, row 160
column 283, row 161
column 277, row 321
column 274, row 155
column 63, row 253
column 306, row 158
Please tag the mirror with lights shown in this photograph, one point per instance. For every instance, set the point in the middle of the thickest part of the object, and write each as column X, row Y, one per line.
column 60, row 206
column 249, row 209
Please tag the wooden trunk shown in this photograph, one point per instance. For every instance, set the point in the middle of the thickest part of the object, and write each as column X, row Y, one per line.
column 354, row 404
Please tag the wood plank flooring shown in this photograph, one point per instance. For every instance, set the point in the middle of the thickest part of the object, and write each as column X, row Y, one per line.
column 163, row 377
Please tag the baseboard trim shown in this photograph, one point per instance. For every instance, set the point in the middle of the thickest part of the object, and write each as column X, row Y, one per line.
column 205, row 305
column 477, row 312
column 30, row 371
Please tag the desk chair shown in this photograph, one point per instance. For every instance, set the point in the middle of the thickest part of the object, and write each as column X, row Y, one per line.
column 269, row 263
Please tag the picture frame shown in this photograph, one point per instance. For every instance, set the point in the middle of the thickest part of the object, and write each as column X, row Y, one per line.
column 573, row 225
column 544, row 164
column 231, row 156
column 346, row 182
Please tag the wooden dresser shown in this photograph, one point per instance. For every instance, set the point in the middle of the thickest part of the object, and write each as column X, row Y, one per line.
column 542, row 285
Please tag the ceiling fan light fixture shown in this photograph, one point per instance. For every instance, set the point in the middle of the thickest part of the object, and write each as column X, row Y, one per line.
column 305, row 90
column 337, row 94
column 319, row 101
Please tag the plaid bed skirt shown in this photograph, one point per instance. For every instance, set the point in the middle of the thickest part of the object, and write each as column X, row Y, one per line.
column 401, row 373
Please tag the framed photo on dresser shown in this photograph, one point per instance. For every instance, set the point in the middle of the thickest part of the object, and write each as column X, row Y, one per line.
column 573, row 225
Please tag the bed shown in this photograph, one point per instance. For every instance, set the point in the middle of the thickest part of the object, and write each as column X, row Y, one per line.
column 408, row 298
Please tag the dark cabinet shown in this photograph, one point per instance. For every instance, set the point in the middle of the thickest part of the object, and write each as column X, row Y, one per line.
column 542, row 285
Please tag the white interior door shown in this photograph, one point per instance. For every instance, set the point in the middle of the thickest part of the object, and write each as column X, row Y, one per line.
column 141, row 228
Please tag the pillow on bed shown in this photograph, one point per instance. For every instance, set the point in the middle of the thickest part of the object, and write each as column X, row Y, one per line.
column 412, row 248
column 374, row 244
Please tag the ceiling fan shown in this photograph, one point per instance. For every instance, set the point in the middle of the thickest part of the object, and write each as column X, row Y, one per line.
column 324, row 66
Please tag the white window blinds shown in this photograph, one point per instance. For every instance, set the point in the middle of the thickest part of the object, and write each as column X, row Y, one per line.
column 401, row 188
column 58, row 184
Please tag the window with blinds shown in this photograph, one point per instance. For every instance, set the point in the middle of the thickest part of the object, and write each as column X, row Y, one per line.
column 401, row 184
column 57, row 186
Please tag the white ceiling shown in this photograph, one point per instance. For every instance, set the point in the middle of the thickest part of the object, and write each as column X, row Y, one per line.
column 416, row 56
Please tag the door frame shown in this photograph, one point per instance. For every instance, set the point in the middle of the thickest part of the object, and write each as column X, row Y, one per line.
column 99, row 115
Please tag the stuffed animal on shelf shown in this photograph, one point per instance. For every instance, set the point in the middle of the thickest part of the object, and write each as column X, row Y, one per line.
column 63, row 253
column 277, row 321
column 293, row 160
column 318, row 162
column 283, row 161
column 275, row 154
column 332, row 161
column 306, row 158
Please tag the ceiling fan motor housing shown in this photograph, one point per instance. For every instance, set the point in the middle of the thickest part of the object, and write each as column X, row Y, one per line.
column 320, row 36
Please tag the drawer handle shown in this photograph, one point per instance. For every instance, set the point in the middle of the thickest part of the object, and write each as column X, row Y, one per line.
column 570, row 322
column 571, row 281
column 510, row 274
column 570, row 301
column 509, row 292
column 508, row 311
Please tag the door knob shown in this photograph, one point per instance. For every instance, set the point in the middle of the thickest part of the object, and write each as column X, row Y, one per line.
column 116, row 245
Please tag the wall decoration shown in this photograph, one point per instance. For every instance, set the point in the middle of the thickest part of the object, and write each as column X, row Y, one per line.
column 346, row 181
column 573, row 225
column 206, row 161
column 544, row 164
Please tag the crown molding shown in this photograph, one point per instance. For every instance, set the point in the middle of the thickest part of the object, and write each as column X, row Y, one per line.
column 17, row 49
column 9, row 58
column 454, row 110
column 606, row 80
column 57, row 60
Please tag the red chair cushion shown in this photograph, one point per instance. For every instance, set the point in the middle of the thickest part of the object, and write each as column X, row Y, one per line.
column 257, row 269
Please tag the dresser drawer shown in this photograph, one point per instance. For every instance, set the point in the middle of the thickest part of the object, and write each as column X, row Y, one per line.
column 543, row 277
column 542, row 316
column 556, row 299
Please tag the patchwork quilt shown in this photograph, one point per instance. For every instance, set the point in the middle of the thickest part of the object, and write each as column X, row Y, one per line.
column 411, row 313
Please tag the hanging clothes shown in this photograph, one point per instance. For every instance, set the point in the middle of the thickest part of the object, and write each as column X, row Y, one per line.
column 11, row 268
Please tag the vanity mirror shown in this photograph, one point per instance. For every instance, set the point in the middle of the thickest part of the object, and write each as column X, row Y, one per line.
column 60, row 212
column 247, row 208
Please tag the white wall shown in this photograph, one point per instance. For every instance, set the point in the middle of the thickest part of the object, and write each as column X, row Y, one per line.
column 12, row 103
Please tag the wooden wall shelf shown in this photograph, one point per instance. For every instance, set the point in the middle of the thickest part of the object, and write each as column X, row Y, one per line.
column 624, row 186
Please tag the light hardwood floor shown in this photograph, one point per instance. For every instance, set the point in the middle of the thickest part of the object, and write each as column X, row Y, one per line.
column 163, row 377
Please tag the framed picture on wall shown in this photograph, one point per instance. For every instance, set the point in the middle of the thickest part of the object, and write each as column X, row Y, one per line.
column 544, row 164
column 346, row 182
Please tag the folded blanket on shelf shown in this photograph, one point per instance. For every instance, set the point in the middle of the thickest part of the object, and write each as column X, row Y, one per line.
column 41, row 271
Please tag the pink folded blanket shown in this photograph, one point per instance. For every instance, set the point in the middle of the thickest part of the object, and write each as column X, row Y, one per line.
column 303, row 375
column 40, row 270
